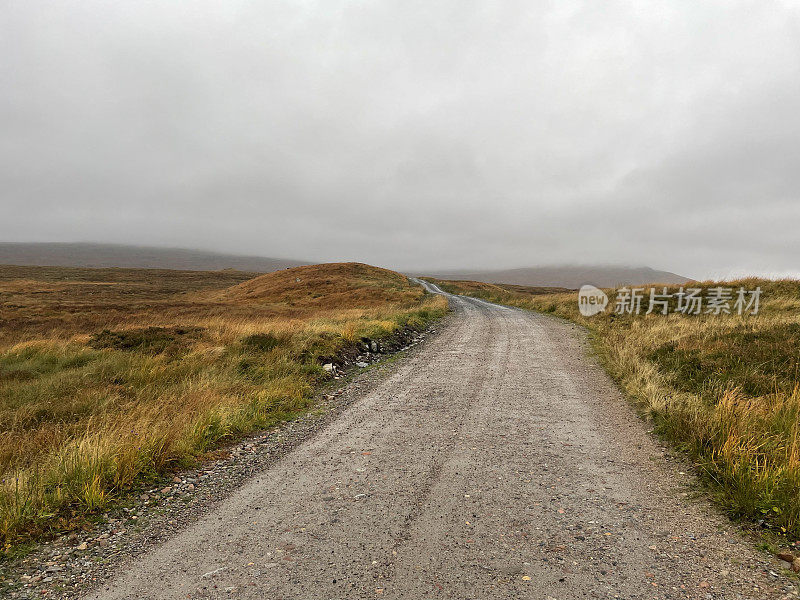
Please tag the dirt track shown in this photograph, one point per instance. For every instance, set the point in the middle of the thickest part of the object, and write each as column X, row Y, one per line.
column 497, row 461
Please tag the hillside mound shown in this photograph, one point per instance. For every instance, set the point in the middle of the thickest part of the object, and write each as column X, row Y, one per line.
column 331, row 285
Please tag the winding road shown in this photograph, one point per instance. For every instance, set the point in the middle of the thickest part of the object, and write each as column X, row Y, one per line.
column 497, row 460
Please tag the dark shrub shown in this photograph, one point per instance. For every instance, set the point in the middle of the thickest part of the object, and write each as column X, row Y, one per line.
column 152, row 340
column 263, row 342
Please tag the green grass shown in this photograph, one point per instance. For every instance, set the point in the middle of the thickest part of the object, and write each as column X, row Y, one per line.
column 756, row 360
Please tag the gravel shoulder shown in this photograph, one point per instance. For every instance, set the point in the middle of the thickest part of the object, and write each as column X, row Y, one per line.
column 497, row 460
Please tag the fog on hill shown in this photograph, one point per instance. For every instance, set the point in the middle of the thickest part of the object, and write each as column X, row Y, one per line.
column 109, row 255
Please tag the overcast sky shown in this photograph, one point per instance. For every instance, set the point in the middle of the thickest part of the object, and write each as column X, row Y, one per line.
column 409, row 134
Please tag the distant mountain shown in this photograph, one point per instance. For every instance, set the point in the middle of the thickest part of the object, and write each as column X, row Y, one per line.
column 568, row 276
column 138, row 257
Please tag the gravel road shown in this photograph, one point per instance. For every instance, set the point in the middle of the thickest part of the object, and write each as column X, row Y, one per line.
column 497, row 461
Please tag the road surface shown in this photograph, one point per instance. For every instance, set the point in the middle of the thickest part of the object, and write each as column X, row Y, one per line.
column 496, row 461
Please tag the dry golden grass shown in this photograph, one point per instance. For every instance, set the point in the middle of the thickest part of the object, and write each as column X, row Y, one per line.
column 109, row 376
column 335, row 286
column 722, row 388
column 481, row 289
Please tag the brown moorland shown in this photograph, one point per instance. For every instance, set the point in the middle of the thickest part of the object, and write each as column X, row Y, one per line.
column 112, row 376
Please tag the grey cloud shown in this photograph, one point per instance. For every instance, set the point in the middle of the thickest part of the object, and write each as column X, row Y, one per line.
column 408, row 134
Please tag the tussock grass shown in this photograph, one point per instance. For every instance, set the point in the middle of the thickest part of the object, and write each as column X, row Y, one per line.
column 722, row 388
column 113, row 376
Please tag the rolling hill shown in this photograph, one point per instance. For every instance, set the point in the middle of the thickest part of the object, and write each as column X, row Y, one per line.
column 341, row 285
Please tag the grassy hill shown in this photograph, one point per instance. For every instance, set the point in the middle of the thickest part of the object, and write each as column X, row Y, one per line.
column 329, row 285
column 109, row 376
column 724, row 388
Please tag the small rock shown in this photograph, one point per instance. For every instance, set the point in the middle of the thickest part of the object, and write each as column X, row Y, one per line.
column 82, row 546
column 796, row 565
column 362, row 364
column 785, row 555
column 166, row 490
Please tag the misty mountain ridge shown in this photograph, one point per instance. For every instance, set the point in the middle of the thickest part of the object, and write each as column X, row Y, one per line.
column 568, row 276
column 90, row 255
column 95, row 255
